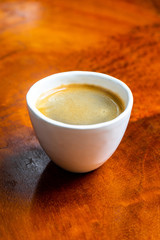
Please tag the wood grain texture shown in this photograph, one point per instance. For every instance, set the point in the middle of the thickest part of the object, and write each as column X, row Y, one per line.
column 120, row 200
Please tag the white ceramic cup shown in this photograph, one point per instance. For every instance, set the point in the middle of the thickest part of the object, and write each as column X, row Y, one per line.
column 79, row 148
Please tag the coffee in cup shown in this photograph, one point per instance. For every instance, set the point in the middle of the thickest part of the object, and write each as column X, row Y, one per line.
column 80, row 104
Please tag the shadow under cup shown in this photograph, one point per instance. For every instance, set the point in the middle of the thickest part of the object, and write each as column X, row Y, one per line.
column 79, row 148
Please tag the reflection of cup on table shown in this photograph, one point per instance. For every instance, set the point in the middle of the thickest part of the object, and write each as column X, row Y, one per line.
column 79, row 148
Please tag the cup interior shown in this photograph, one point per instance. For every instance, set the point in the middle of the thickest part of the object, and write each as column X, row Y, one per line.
column 93, row 78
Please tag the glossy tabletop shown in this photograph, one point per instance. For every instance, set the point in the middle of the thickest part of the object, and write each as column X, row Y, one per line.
column 120, row 200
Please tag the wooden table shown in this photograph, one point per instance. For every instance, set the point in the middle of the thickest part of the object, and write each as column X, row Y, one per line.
column 120, row 200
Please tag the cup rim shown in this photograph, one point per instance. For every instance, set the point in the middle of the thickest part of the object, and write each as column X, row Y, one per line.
column 82, row 127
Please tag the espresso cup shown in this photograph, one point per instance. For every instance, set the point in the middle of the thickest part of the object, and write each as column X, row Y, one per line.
column 79, row 148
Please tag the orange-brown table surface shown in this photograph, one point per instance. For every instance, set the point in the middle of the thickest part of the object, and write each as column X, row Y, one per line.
column 120, row 200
